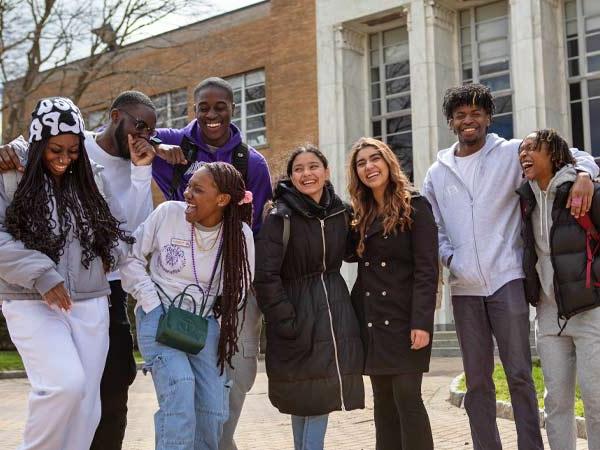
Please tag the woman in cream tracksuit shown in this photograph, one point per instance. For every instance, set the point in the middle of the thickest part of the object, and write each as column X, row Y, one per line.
column 58, row 239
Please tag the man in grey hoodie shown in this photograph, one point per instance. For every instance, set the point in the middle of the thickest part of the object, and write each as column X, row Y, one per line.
column 471, row 188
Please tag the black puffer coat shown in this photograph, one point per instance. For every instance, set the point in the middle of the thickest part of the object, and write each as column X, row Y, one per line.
column 568, row 250
column 314, row 353
column 395, row 292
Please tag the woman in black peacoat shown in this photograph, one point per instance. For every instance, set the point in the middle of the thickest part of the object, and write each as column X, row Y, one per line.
column 395, row 292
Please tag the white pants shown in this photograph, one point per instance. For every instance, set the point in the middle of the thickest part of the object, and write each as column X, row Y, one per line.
column 574, row 355
column 64, row 355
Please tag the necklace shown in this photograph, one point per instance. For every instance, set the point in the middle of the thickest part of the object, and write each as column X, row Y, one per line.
column 215, row 265
column 199, row 239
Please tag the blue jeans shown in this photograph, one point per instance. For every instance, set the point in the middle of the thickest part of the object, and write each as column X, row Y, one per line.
column 309, row 432
column 193, row 397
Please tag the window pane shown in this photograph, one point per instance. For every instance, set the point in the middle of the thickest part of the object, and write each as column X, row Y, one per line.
column 492, row 30
column 572, row 48
column 465, row 17
column 592, row 23
column 255, row 122
column 502, row 126
column 397, row 86
column 595, row 130
column 237, row 112
column 375, row 74
column 570, row 10
column 488, row 12
column 486, row 68
column 179, row 123
column 256, row 138
column 395, row 36
column 377, row 128
column 255, row 77
column 466, row 53
column 493, row 49
column 593, row 63
column 255, row 92
column 592, row 43
column 375, row 91
column 179, row 110
column 465, row 35
column 572, row 28
column 467, row 74
column 397, row 69
column 237, row 96
column 398, row 104
column 594, row 88
column 375, row 58
column 575, row 91
column 398, row 124
column 577, row 125
column 573, row 67
column 376, row 108
column 395, row 54
column 236, row 81
column 591, row 7
column 497, row 83
column 237, row 123
column 160, row 101
column 503, row 104
column 401, row 144
column 179, row 96
column 255, row 108
column 374, row 41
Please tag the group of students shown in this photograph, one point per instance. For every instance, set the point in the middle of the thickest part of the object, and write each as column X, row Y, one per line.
column 74, row 232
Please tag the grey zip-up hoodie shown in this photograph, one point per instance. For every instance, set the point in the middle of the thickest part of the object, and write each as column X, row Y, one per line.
column 541, row 219
column 482, row 231
column 27, row 274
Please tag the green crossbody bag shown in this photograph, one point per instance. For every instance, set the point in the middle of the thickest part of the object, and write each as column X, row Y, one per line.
column 182, row 329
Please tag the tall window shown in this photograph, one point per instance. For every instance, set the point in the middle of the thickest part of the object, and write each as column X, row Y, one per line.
column 171, row 109
column 485, row 58
column 583, row 70
column 390, row 92
column 250, row 113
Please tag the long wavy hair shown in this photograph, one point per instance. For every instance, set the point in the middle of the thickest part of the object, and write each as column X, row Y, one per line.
column 396, row 206
column 44, row 212
column 235, row 267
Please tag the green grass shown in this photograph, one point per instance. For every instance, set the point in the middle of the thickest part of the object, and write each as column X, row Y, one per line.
column 10, row 360
column 502, row 392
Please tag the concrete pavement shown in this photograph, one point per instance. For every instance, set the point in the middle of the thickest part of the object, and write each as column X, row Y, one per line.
column 262, row 427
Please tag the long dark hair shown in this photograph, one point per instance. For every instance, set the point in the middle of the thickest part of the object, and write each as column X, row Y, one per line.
column 235, row 271
column 76, row 203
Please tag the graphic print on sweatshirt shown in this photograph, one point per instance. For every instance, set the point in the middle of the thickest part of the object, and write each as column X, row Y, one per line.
column 172, row 258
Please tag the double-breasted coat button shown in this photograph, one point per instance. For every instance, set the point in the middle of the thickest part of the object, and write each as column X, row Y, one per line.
column 384, row 293
column 367, row 293
column 383, row 264
column 369, row 324
column 367, row 264
column 387, row 322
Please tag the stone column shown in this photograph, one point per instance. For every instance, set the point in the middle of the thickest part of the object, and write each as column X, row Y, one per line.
column 538, row 72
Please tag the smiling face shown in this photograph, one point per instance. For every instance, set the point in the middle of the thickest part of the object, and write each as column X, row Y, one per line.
column 59, row 153
column 470, row 124
column 214, row 109
column 372, row 170
column 205, row 204
column 536, row 163
column 309, row 175
column 138, row 120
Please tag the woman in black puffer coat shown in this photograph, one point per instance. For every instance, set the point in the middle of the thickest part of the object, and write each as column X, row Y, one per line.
column 314, row 354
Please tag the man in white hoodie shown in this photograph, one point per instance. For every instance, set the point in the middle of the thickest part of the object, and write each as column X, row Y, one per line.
column 471, row 188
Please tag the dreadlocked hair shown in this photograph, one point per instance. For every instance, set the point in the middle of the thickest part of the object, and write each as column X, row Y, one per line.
column 235, row 267
column 468, row 94
column 397, row 197
column 43, row 212
column 556, row 146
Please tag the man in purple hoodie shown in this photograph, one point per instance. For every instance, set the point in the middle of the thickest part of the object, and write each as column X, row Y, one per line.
column 217, row 139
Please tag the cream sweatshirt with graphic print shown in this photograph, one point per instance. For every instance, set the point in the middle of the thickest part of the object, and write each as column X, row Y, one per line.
column 166, row 239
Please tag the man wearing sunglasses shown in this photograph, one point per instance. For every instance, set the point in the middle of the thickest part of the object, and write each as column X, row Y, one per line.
column 124, row 150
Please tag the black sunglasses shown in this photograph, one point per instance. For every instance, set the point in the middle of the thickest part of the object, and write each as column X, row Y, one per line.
column 140, row 125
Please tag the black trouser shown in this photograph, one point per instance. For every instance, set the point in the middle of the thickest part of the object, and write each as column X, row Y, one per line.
column 401, row 420
column 119, row 373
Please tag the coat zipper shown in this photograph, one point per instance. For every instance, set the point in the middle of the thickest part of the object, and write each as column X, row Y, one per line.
column 335, row 349
column 477, row 169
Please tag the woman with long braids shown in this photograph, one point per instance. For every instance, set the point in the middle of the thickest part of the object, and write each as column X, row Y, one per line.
column 314, row 353
column 58, row 239
column 562, row 283
column 207, row 243
column 395, row 292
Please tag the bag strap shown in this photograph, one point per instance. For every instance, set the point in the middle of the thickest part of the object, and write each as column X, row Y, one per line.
column 239, row 160
column 590, row 234
column 190, row 150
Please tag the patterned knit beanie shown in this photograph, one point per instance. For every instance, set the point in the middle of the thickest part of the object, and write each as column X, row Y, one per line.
column 53, row 116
